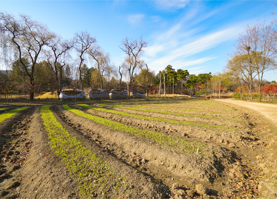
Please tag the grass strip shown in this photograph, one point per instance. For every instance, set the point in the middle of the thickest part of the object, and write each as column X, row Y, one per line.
column 1, row 109
column 174, row 143
column 9, row 114
column 95, row 177
column 180, row 108
column 171, row 113
column 213, row 127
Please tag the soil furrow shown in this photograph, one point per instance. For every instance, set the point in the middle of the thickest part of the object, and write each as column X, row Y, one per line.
column 178, row 130
column 229, row 124
column 203, row 118
column 192, row 167
column 142, row 186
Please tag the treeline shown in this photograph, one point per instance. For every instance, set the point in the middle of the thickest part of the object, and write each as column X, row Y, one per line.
column 42, row 60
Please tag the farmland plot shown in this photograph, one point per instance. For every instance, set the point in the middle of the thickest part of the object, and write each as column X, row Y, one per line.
column 142, row 149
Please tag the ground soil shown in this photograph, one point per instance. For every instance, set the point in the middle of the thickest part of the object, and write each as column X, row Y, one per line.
column 191, row 133
column 143, row 186
column 266, row 159
column 218, row 121
column 240, row 168
column 28, row 168
column 190, row 169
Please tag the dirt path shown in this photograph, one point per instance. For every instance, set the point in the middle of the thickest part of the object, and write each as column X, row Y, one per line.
column 268, row 110
column 268, row 185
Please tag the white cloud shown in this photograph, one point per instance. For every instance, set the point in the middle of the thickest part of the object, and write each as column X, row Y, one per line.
column 176, row 56
column 119, row 3
column 169, row 4
column 135, row 19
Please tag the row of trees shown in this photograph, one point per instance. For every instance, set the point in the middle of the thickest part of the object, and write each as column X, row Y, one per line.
column 35, row 47
column 42, row 61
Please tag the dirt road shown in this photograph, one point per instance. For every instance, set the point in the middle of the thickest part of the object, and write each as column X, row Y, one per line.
column 268, row 185
column 268, row 110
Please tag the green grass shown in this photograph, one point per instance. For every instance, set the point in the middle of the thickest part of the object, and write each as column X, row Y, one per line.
column 96, row 177
column 1, row 109
column 171, row 113
column 213, row 127
column 174, row 143
column 9, row 114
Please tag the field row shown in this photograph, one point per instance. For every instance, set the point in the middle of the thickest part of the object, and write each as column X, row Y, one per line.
column 118, row 152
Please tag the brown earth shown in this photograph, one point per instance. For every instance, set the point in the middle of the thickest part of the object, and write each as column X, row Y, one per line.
column 219, row 122
column 266, row 160
column 188, row 168
column 191, row 133
column 143, row 186
column 28, row 168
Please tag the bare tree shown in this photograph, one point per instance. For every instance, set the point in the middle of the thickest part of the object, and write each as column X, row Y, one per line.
column 133, row 50
column 102, row 61
column 83, row 43
column 27, row 37
column 255, row 54
column 56, row 58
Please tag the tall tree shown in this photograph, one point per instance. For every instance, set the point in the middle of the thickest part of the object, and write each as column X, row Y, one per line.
column 102, row 61
column 56, row 58
column 181, row 75
column 27, row 37
column 133, row 49
column 83, row 43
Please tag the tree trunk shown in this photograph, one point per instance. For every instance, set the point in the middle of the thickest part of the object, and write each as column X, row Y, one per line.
column 58, row 86
column 81, row 81
column 181, row 87
column 160, row 85
column 164, row 84
column 61, row 81
column 219, row 89
column 173, row 85
column 32, row 92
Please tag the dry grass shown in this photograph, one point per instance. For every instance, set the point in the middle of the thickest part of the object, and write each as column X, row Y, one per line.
column 48, row 95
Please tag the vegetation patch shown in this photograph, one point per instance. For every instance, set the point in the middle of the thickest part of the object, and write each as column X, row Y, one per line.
column 96, row 177
column 1, row 109
column 177, row 144
column 9, row 114
column 214, row 127
column 172, row 113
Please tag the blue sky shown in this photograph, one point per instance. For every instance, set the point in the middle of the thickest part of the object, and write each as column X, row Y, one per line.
column 190, row 34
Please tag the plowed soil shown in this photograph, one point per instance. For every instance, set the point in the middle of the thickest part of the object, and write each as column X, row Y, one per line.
column 234, row 164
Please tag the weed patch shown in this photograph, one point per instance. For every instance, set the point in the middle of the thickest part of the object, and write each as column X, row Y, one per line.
column 96, row 177
column 1, row 109
column 9, row 114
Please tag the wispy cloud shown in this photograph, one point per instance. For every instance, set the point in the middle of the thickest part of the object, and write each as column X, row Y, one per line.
column 119, row 3
column 201, row 44
column 135, row 19
column 171, row 4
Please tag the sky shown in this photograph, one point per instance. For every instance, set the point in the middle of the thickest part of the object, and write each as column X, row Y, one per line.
column 196, row 35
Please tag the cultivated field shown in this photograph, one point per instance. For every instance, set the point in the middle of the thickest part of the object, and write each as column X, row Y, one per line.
column 134, row 149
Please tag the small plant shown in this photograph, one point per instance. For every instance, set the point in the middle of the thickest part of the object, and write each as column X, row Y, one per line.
column 172, row 113
column 79, row 161
column 174, row 143
column 9, row 114
column 214, row 127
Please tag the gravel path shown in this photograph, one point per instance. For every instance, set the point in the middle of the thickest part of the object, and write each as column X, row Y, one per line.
column 268, row 110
